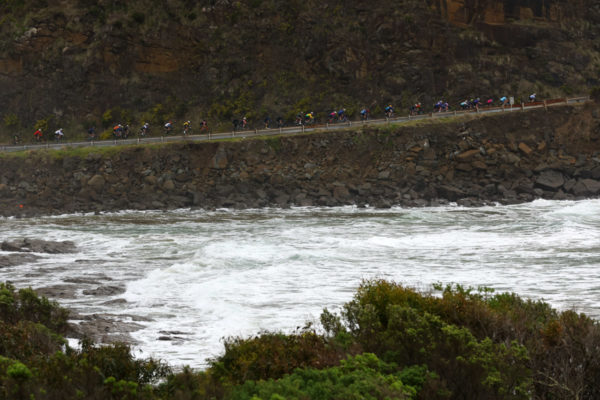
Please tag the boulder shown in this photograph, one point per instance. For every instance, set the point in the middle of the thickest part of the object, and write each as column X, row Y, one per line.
column 479, row 165
column 450, row 193
column 219, row 160
column 467, row 155
column 550, row 179
column 525, row 149
column 97, row 182
column 168, row 185
column 464, row 167
column 586, row 187
column 341, row 193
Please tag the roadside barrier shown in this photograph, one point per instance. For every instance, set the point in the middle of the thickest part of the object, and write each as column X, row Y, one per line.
column 296, row 129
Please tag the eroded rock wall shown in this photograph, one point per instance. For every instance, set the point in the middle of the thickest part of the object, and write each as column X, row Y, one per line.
column 509, row 158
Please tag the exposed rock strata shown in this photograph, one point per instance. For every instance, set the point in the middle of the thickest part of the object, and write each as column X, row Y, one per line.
column 508, row 159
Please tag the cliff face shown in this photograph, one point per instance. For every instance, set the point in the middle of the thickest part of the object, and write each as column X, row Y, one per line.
column 509, row 159
column 75, row 63
column 466, row 12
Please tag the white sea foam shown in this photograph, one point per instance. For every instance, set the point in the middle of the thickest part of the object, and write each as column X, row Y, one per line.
column 199, row 276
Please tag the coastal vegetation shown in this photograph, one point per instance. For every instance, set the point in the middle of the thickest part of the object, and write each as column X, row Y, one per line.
column 388, row 342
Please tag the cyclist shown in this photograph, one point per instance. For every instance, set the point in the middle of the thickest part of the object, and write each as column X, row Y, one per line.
column 16, row 139
column 332, row 117
column 364, row 114
column 267, row 122
column 532, row 97
column 309, row 117
column 187, row 126
column 279, row 121
column 489, row 102
column 145, row 129
column 203, row 125
column 59, row 135
column 168, row 128
column 503, row 101
column 342, row 115
column 117, row 130
column 38, row 135
column 91, row 133
column 389, row 111
column 299, row 119
column 244, row 123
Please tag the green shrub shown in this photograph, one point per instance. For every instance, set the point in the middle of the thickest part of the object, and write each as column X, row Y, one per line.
column 360, row 377
column 271, row 355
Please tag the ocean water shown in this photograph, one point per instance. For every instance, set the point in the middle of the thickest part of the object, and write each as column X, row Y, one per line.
column 199, row 276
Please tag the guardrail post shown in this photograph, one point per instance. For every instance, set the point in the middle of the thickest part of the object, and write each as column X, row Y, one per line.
column 162, row 139
column 280, row 130
column 302, row 128
column 349, row 123
column 522, row 107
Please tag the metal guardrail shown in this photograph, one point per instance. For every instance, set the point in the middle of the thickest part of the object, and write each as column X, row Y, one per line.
column 294, row 129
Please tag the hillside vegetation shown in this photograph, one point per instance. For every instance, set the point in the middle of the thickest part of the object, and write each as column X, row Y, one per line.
column 73, row 64
column 389, row 342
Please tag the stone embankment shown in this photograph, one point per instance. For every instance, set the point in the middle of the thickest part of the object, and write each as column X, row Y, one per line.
column 505, row 158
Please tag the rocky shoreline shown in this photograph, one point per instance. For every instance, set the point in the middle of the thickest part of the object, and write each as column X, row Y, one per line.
column 503, row 159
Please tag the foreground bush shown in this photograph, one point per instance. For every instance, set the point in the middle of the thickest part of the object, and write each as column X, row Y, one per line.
column 389, row 342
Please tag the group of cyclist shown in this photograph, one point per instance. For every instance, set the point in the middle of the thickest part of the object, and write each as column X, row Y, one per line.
column 335, row 116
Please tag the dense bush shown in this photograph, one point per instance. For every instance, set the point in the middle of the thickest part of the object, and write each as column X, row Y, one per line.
column 389, row 342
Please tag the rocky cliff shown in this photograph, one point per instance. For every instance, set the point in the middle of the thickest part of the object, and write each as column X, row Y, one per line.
column 78, row 63
column 507, row 158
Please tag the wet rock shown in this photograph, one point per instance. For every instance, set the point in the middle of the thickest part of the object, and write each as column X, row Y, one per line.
column 450, row 193
column 58, row 291
column 104, row 291
column 550, row 180
column 101, row 328
column 38, row 246
column 586, row 187
column 12, row 260
column 82, row 281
